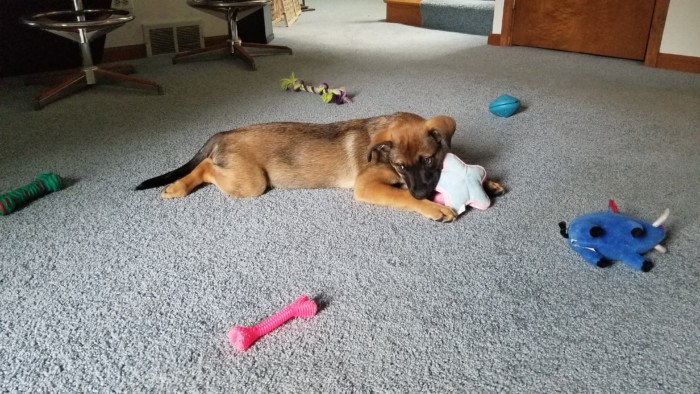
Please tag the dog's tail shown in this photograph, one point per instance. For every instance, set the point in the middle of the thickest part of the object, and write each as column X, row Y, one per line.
column 178, row 173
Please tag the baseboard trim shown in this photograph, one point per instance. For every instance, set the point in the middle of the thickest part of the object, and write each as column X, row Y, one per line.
column 494, row 39
column 128, row 52
column 213, row 40
column 138, row 51
column 678, row 62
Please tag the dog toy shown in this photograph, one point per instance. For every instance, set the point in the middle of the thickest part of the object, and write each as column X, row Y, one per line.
column 461, row 185
column 328, row 95
column 603, row 237
column 243, row 337
column 44, row 184
column 504, row 105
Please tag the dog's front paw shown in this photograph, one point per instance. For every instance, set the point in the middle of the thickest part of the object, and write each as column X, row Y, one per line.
column 174, row 190
column 438, row 212
column 494, row 188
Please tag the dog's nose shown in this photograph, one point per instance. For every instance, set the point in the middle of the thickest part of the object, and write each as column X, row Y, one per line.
column 420, row 194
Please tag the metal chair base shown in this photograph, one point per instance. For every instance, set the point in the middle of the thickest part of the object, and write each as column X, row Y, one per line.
column 83, row 26
column 77, row 80
column 235, row 50
column 232, row 11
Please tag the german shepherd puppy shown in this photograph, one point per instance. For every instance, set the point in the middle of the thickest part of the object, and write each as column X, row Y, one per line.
column 392, row 160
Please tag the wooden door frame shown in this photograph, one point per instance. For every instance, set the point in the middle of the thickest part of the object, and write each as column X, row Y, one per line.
column 653, row 44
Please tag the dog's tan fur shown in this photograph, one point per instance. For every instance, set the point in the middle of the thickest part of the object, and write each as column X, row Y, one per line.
column 373, row 156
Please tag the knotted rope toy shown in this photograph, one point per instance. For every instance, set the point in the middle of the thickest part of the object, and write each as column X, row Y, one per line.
column 328, row 95
column 44, row 184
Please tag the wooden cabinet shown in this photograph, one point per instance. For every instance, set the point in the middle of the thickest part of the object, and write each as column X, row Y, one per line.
column 617, row 28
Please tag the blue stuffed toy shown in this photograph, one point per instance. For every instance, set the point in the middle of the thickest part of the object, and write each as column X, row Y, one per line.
column 603, row 237
column 461, row 185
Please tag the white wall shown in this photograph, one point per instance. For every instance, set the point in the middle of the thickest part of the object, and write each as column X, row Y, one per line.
column 498, row 17
column 162, row 11
column 682, row 30
column 681, row 34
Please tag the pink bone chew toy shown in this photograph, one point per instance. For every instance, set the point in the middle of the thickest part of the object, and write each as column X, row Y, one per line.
column 243, row 337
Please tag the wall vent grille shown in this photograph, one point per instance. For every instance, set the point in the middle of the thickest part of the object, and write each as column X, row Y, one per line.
column 173, row 37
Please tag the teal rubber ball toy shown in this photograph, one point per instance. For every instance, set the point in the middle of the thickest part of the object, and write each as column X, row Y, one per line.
column 504, row 105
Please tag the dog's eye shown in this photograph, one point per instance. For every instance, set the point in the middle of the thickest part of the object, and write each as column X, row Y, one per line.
column 428, row 161
column 401, row 167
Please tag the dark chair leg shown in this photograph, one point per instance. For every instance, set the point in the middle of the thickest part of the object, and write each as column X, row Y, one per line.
column 222, row 47
column 53, row 76
column 243, row 54
column 123, row 77
column 267, row 46
column 71, row 85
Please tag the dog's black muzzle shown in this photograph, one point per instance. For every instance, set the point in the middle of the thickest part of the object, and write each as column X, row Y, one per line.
column 421, row 182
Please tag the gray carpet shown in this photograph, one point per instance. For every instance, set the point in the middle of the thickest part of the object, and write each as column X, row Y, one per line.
column 104, row 289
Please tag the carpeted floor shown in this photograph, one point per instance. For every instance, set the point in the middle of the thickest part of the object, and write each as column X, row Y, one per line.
column 104, row 289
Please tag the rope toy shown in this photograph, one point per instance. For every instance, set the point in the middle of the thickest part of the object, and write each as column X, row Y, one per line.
column 328, row 95
column 44, row 184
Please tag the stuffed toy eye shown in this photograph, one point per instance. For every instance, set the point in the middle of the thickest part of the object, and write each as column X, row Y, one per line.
column 637, row 232
column 596, row 231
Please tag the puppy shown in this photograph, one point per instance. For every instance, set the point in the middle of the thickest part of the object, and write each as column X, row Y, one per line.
column 392, row 160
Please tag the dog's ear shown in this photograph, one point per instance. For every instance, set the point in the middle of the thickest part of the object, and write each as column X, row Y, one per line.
column 380, row 142
column 441, row 128
column 382, row 147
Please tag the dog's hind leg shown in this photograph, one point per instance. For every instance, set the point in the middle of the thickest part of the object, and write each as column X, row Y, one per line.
column 239, row 181
column 242, row 180
column 183, row 186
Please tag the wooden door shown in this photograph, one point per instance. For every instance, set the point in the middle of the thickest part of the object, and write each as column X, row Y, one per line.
column 617, row 28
